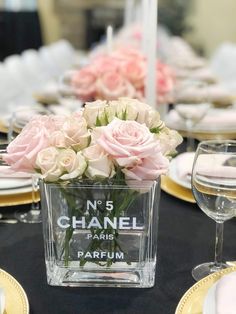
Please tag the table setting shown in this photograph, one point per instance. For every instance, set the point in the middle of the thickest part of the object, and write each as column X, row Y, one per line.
column 110, row 168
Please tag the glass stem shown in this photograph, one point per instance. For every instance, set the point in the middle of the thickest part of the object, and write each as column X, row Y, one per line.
column 35, row 204
column 219, row 243
column 190, row 139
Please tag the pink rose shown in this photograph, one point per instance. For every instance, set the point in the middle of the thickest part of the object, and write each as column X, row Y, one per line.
column 148, row 169
column 112, row 85
column 35, row 136
column 104, row 64
column 128, row 142
column 135, row 72
column 83, row 82
column 165, row 83
column 128, row 53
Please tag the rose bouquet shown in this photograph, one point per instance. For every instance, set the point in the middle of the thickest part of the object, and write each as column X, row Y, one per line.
column 104, row 143
column 121, row 73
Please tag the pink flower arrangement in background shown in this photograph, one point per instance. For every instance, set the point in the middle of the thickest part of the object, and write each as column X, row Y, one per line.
column 104, row 139
column 121, row 73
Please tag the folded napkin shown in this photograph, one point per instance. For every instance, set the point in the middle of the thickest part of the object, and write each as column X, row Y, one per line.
column 215, row 119
column 215, row 166
column 2, row 301
column 209, row 165
column 184, row 164
column 225, row 294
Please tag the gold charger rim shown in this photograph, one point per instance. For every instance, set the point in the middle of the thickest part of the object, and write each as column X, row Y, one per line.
column 3, row 128
column 176, row 190
column 198, row 286
column 209, row 135
column 10, row 282
column 17, row 199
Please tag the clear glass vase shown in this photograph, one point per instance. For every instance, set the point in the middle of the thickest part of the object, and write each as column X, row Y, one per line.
column 100, row 233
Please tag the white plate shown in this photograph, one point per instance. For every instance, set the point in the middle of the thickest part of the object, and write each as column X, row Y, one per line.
column 173, row 174
column 175, row 122
column 209, row 305
column 26, row 189
column 12, row 183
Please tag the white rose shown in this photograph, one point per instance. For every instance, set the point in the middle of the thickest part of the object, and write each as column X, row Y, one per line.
column 76, row 132
column 57, row 139
column 153, row 120
column 72, row 163
column 99, row 164
column 121, row 109
column 169, row 140
column 94, row 111
column 47, row 163
column 133, row 109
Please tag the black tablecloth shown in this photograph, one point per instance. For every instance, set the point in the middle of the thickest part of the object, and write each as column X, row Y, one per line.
column 186, row 238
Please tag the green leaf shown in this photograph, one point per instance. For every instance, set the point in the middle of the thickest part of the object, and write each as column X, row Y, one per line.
column 106, row 118
column 155, row 130
column 98, row 121
column 124, row 114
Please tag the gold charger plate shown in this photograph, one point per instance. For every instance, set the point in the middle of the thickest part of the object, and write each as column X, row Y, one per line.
column 16, row 301
column 16, row 199
column 45, row 99
column 192, row 301
column 3, row 128
column 176, row 190
column 221, row 135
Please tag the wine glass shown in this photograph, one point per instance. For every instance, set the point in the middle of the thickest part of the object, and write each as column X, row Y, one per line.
column 214, row 188
column 191, row 104
column 18, row 120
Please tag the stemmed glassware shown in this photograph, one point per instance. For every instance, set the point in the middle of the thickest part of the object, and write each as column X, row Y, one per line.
column 191, row 104
column 214, row 188
column 18, row 120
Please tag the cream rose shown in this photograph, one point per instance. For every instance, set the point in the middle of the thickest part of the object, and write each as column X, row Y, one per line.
column 94, row 111
column 99, row 164
column 47, row 163
column 76, row 133
column 134, row 110
column 57, row 139
column 169, row 140
column 72, row 164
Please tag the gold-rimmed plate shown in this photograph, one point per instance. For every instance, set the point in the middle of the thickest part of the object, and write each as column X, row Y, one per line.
column 176, row 190
column 16, row 301
column 16, row 199
column 45, row 98
column 193, row 300
column 220, row 135
column 3, row 127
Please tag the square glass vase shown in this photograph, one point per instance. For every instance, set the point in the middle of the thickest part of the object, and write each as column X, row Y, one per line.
column 100, row 233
